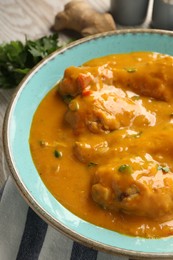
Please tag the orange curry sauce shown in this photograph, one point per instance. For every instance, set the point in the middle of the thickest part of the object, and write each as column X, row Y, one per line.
column 102, row 143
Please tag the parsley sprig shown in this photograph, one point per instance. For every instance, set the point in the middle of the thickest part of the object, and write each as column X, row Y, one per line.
column 17, row 58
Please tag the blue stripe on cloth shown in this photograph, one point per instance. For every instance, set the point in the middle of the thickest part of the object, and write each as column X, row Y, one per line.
column 2, row 189
column 80, row 252
column 33, row 237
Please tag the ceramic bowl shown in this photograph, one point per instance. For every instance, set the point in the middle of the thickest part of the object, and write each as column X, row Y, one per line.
column 17, row 129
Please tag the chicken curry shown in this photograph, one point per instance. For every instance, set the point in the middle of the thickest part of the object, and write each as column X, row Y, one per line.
column 102, row 142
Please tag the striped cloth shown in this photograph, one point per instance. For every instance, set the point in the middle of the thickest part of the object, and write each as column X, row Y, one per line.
column 25, row 236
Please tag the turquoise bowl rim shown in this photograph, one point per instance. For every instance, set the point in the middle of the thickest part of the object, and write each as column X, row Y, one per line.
column 36, row 194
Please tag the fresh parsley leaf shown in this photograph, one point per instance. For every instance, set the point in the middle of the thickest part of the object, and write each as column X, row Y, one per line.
column 17, row 58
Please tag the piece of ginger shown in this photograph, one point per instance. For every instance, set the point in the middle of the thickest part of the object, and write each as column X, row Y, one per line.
column 79, row 16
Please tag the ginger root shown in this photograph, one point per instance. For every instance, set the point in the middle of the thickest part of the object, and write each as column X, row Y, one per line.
column 79, row 16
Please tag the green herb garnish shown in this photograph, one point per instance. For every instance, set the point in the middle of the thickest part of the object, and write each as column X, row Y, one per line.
column 17, row 58
column 163, row 168
column 137, row 135
column 67, row 98
column 125, row 168
column 135, row 97
column 130, row 70
column 92, row 164
column 57, row 154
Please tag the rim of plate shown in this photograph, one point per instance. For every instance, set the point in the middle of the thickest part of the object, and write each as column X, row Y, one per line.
column 22, row 187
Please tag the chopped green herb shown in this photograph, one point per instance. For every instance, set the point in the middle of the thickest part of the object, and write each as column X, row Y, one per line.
column 137, row 135
column 130, row 70
column 92, row 164
column 135, row 97
column 57, row 154
column 125, row 168
column 163, row 168
column 67, row 99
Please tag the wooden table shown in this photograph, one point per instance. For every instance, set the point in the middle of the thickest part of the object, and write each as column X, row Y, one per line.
column 33, row 19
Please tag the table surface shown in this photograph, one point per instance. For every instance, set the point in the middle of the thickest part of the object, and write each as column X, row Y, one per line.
column 33, row 19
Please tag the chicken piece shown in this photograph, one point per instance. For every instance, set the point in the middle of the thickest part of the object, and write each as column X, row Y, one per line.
column 106, row 111
column 157, row 83
column 75, row 81
column 142, row 189
column 99, row 93
column 87, row 153
column 154, row 85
